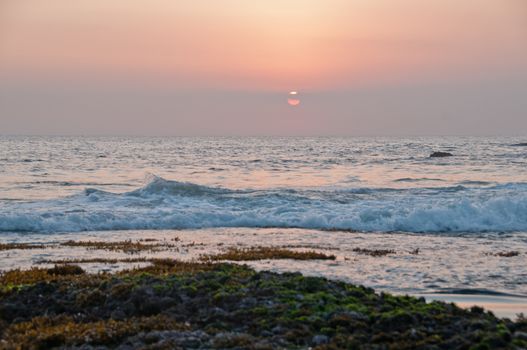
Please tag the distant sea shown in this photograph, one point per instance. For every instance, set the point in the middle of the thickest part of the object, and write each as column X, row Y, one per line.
column 318, row 187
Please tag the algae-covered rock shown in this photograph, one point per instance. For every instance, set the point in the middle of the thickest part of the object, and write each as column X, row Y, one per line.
column 65, row 270
column 191, row 306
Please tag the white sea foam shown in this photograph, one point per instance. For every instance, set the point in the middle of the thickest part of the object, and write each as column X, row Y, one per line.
column 163, row 204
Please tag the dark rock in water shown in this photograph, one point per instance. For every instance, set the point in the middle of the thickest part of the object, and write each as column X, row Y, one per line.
column 441, row 154
column 521, row 144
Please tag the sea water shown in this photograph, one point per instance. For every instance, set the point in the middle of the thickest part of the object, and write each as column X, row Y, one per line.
column 330, row 192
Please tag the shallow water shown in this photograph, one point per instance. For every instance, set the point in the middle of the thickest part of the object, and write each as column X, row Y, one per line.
column 458, row 211
column 444, row 264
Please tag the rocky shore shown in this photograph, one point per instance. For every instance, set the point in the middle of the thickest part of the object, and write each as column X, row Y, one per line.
column 171, row 305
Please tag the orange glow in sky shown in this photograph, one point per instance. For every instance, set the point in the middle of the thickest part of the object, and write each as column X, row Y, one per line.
column 265, row 45
column 205, row 67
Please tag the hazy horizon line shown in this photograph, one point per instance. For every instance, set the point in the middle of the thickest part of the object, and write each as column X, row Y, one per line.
column 260, row 136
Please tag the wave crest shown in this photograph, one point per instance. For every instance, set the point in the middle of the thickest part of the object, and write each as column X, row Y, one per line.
column 156, row 185
column 165, row 204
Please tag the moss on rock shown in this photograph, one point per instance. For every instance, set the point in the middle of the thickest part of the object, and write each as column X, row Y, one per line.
column 173, row 304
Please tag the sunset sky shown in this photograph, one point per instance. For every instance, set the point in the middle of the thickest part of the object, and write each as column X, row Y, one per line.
column 201, row 67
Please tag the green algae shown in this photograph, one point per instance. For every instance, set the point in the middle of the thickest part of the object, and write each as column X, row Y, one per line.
column 48, row 332
column 374, row 252
column 234, row 307
column 22, row 246
column 128, row 246
column 94, row 260
column 263, row 253
column 509, row 254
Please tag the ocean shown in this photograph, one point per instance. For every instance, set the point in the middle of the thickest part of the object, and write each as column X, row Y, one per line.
column 329, row 193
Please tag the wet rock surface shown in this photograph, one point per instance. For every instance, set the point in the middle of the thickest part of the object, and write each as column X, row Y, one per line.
column 173, row 305
column 441, row 154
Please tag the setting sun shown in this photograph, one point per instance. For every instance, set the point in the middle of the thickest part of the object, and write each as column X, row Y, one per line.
column 293, row 99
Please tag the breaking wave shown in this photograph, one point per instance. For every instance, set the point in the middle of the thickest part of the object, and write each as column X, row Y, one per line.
column 164, row 204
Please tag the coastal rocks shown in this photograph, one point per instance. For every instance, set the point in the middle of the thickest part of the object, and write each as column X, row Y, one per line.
column 65, row 270
column 345, row 319
column 374, row 252
column 90, row 298
column 10, row 311
column 441, row 154
column 118, row 315
column 168, row 340
column 357, row 316
column 206, row 306
column 278, row 330
column 320, row 339
column 521, row 144
column 227, row 340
